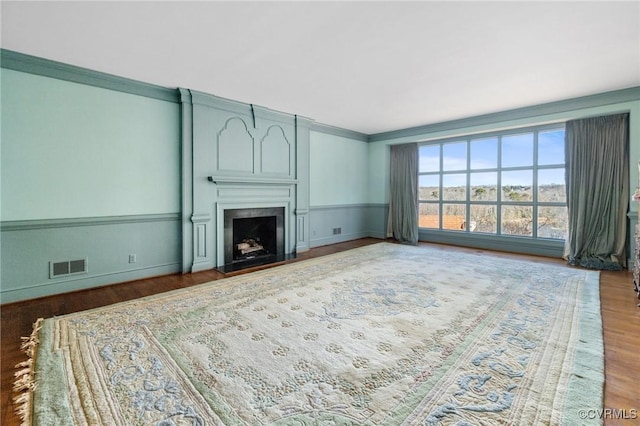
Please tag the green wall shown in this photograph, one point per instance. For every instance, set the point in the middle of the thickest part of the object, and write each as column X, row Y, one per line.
column 90, row 167
column 87, row 172
column 339, row 189
column 338, row 170
column 71, row 150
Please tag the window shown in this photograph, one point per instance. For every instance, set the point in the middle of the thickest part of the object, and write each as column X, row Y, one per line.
column 504, row 184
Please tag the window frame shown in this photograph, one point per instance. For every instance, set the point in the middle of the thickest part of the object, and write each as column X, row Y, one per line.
column 449, row 235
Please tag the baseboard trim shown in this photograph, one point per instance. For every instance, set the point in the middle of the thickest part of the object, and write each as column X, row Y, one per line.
column 379, row 235
column 83, row 282
column 337, row 239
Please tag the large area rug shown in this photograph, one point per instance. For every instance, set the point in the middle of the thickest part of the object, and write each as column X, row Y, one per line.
column 380, row 335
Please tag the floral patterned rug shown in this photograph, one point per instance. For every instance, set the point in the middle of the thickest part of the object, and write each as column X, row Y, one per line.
column 380, row 335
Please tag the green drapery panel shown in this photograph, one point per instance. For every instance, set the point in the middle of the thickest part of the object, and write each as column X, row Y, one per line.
column 597, row 177
column 403, row 200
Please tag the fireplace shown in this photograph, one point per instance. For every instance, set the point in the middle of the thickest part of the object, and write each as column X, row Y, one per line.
column 253, row 236
column 237, row 155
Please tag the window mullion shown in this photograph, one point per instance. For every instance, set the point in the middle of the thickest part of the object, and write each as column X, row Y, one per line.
column 468, row 200
column 499, row 189
column 534, row 189
column 441, row 188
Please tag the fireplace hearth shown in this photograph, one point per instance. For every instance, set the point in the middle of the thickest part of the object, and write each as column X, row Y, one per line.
column 252, row 237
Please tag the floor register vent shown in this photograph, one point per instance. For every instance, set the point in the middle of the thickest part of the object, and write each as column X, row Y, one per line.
column 67, row 267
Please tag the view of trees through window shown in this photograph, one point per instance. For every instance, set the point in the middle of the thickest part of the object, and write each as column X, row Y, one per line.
column 510, row 183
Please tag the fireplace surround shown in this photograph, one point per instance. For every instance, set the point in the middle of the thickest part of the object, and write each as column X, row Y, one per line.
column 253, row 235
column 237, row 156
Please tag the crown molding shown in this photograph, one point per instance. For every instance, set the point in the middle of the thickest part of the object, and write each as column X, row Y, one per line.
column 590, row 101
column 338, row 131
column 47, row 68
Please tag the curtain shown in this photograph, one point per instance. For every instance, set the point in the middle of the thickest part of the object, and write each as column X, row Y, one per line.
column 403, row 200
column 597, row 178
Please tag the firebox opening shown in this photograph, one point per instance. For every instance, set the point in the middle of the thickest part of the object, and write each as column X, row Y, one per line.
column 253, row 236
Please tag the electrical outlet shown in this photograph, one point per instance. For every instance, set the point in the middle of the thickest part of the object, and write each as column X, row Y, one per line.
column 132, row 258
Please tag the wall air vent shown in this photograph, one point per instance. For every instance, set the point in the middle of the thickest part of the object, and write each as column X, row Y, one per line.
column 67, row 267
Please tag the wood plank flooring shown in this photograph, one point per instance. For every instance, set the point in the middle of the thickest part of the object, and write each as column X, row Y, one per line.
column 621, row 324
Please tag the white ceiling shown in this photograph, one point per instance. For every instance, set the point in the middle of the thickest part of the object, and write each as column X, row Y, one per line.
column 364, row 66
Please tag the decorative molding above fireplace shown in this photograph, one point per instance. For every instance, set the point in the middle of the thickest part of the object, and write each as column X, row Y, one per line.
column 234, row 156
column 223, row 180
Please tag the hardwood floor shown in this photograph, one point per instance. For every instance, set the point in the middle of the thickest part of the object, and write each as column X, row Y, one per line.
column 620, row 315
